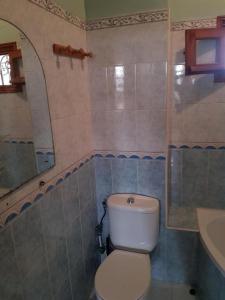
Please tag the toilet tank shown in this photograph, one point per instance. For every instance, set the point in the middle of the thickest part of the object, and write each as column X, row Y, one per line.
column 133, row 221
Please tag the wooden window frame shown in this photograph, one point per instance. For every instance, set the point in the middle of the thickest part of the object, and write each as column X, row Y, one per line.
column 191, row 38
column 14, row 54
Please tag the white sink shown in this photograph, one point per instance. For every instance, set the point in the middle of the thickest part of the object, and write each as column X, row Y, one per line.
column 212, row 231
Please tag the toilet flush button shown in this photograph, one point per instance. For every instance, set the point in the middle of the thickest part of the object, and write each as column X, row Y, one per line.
column 130, row 200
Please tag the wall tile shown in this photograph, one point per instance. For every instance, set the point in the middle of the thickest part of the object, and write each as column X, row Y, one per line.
column 176, row 159
column 151, row 130
column 103, row 177
column 84, row 185
column 211, row 281
column 151, row 85
column 216, row 179
column 124, row 175
column 10, row 283
column 55, row 242
column 181, row 257
column 91, row 259
column 194, row 169
column 122, row 123
column 98, row 86
column 158, row 257
column 121, row 87
column 36, row 284
column 28, row 239
column 70, row 199
column 151, row 181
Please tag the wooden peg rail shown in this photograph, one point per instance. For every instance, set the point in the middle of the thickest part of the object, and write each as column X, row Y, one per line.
column 70, row 52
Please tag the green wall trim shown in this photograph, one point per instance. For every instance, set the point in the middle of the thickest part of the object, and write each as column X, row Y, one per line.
column 182, row 10
column 75, row 7
column 107, row 8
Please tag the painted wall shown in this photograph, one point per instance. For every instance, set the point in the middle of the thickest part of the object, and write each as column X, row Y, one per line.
column 192, row 9
column 106, row 8
column 75, row 7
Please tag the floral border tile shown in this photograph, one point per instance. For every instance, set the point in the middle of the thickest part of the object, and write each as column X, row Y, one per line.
column 52, row 7
column 193, row 24
column 137, row 18
column 133, row 19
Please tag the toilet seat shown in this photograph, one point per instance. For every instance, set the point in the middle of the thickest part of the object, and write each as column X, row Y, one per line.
column 123, row 276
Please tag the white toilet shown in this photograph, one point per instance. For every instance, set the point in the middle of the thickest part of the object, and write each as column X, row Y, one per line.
column 134, row 229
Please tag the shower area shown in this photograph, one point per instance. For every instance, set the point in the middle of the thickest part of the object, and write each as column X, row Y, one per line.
column 196, row 136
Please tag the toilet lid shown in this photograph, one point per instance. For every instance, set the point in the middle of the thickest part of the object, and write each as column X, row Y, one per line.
column 123, row 276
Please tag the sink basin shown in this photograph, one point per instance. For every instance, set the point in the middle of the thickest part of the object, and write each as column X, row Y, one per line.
column 212, row 228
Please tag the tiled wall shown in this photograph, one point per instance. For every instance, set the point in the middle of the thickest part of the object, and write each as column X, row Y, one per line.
column 197, row 102
column 147, row 176
column 128, row 87
column 197, row 138
column 49, row 251
column 211, row 283
column 66, row 84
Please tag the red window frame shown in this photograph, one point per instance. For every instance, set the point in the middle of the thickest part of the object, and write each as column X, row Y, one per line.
column 11, row 50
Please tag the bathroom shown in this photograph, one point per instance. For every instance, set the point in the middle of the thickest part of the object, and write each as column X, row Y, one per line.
column 100, row 105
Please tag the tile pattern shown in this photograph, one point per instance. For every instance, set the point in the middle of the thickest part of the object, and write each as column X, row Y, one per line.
column 133, row 19
column 12, row 212
column 147, row 177
column 128, row 87
column 193, row 24
column 137, row 18
column 49, row 251
column 54, row 8
column 196, row 135
column 197, row 179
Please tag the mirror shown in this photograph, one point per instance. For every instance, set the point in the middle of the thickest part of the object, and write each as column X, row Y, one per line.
column 26, row 145
column 206, row 51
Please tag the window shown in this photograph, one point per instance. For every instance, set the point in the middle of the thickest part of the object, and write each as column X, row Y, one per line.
column 10, row 80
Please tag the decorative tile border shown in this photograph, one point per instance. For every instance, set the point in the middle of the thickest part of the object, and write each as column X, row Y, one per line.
column 193, row 24
column 133, row 19
column 21, row 205
column 52, row 7
column 130, row 155
column 198, row 146
column 10, row 213
column 13, row 141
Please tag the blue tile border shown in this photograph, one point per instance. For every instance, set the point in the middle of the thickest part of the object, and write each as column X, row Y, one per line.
column 197, row 147
column 50, row 187
column 132, row 156
column 18, row 142
column 10, row 218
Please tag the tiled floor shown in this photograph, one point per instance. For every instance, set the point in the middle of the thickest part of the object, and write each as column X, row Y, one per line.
column 165, row 291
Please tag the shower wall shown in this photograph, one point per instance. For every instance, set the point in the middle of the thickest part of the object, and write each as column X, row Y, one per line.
column 196, row 138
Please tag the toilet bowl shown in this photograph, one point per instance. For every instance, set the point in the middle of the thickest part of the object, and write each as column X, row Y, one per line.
column 123, row 275
column 134, row 228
